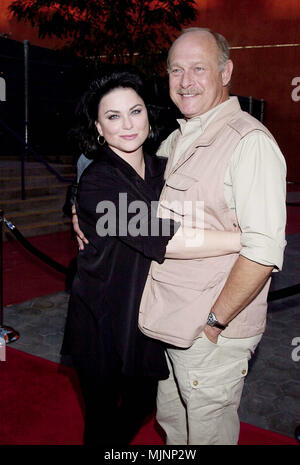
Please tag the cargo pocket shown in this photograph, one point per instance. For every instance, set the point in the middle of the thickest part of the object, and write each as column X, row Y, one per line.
column 221, row 385
column 180, row 182
column 179, row 196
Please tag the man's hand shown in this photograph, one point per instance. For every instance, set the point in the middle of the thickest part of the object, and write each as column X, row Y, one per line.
column 81, row 239
column 212, row 333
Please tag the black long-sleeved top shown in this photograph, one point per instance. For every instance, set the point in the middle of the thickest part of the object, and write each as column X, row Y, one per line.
column 112, row 269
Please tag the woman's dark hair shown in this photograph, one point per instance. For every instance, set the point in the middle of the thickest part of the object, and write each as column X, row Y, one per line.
column 113, row 76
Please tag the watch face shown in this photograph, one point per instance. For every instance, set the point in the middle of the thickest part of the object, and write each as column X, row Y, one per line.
column 211, row 319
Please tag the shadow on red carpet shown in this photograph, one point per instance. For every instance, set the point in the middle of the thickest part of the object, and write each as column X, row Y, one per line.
column 41, row 405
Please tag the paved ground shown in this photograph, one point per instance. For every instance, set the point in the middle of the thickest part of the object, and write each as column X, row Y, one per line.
column 271, row 397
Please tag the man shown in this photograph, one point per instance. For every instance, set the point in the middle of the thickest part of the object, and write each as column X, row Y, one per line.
column 212, row 312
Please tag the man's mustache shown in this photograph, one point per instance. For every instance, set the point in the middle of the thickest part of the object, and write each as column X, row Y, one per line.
column 189, row 92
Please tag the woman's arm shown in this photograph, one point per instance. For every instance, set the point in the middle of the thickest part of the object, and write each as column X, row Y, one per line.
column 110, row 205
column 189, row 243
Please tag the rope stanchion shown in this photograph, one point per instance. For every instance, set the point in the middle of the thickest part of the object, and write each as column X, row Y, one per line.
column 38, row 253
column 285, row 292
column 7, row 333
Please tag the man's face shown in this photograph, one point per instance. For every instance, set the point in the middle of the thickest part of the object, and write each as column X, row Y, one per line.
column 196, row 82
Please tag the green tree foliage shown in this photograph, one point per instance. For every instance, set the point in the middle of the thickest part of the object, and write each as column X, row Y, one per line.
column 132, row 31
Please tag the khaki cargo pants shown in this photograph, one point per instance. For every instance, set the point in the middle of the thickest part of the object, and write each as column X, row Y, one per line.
column 198, row 403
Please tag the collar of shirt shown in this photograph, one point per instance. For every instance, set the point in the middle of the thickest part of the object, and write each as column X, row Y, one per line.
column 193, row 128
column 201, row 122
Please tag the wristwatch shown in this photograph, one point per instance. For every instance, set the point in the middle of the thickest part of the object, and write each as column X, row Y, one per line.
column 212, row 321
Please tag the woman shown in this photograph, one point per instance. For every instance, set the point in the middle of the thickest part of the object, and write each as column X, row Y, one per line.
column 118, row 367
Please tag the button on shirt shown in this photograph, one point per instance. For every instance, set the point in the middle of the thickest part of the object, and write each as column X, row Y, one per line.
column 254, row 185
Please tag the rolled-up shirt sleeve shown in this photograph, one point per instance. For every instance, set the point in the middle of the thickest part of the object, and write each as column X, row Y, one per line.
column 258, row 175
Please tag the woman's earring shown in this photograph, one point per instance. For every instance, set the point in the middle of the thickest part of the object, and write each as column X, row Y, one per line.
column 151, row 134
column 101, row 140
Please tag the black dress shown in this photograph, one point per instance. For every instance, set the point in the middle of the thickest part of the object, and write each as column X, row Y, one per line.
column 111, row 355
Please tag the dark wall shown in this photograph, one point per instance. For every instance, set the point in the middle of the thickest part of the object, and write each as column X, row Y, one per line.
column 54, row 85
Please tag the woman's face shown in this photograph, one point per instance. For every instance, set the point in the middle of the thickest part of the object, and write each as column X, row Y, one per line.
column 123, row 121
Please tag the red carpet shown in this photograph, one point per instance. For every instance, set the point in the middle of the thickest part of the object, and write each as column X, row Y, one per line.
column 27, row 277
column 40, row 405
column 38, row 402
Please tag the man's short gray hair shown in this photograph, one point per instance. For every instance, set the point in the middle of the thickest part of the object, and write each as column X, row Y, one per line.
column 221, row 42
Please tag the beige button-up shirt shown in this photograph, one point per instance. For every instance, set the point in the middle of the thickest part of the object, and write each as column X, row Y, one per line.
column 254, row 185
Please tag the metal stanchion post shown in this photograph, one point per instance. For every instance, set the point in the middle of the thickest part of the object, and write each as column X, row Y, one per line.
column 7, row 333
column 25, row 151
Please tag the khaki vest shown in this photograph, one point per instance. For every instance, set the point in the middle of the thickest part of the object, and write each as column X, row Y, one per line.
column 179, row 294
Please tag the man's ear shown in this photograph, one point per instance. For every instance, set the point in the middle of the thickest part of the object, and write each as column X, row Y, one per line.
column 98, row 126
column 227, row 72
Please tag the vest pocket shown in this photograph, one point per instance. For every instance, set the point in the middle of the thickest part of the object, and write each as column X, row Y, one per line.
column 188, row 282
column 180, row 197
column 180, row 182
column 191, row 274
